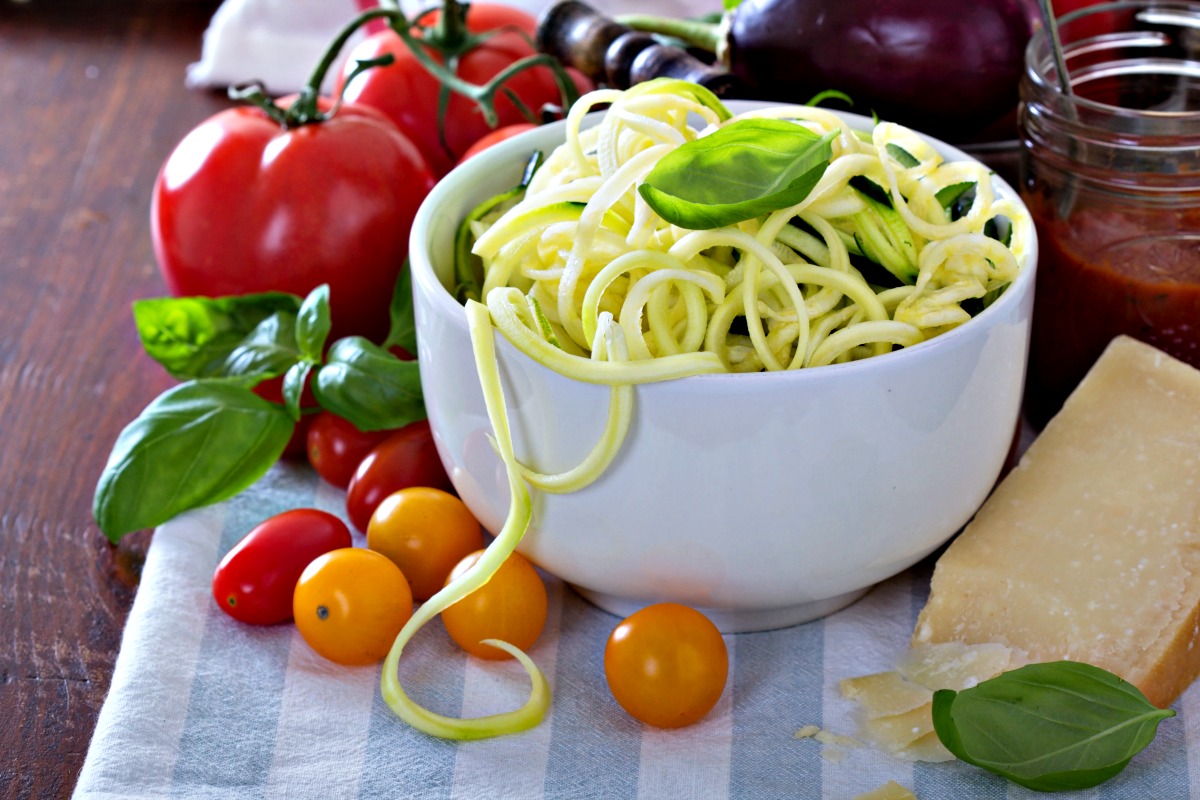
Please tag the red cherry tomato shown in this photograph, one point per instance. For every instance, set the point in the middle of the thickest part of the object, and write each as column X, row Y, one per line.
column 336, row 447
column 666, row 665
column 245, row 205
column 255, row 581
column 495, row 137
column 297, row 446
column 406, row 458
column 510, row 607
column 408, row 94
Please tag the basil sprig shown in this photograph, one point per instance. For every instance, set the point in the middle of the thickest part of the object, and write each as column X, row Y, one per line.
column 740, row 171
column 1049, row 727
column 211, row 437
column 193, row 337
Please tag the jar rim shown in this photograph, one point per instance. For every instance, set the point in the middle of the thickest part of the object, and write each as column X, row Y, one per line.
column 1041, row 70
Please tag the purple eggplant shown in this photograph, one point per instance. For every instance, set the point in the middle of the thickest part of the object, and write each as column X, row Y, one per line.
column 942, row 66
column 946, row 67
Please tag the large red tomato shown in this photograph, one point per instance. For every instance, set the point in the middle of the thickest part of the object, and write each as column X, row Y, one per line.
column 244, row 205
column 408, row 94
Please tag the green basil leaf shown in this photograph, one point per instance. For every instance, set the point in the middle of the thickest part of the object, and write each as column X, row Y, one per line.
column 191, row 336
column 293, row 387
column 403, row 331
column 740, row 171
column 267, row 352
column 1049, row 727
column 313, row 323
column 196, row 444
column 902, row 156
column 369, row 386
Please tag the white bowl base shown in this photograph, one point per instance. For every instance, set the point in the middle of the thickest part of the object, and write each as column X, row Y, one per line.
column 728, row 621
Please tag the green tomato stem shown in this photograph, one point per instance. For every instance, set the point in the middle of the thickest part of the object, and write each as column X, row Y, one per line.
column 304, row 110
column 450, row 34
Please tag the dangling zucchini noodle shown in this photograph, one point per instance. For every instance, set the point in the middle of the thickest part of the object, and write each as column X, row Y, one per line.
column 881, row 244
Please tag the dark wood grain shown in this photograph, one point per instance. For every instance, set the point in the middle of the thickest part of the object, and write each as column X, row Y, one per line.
column 91, row 101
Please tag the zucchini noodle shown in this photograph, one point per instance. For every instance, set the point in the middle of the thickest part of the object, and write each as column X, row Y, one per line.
column 755, row 295
column 891, row 247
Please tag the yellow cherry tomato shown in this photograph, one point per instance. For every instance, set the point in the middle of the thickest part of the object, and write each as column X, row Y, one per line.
column 666, row 665
column 510, row 607
column 425, row 532
column 350, row 604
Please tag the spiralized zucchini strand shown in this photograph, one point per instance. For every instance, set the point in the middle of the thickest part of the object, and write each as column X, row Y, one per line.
column 519, row 515
column 610, row 344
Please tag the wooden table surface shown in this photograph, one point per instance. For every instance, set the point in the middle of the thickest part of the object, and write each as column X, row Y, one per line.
column 92, row 100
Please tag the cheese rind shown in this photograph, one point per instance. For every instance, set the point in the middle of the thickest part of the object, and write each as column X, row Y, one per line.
column 1090, row 549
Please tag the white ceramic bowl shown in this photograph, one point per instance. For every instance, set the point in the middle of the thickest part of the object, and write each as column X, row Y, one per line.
column 764, row 500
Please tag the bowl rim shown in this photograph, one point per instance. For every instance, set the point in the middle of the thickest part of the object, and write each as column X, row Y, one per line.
column 515, row 149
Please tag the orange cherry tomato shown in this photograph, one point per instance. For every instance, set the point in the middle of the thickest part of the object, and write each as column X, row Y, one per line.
column 510, row 607
column 425, row 531
column 350, row 604
column 666, row 665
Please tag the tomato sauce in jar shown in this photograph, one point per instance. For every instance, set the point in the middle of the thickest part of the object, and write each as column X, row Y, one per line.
column 1105, row 272
column 1111, row 175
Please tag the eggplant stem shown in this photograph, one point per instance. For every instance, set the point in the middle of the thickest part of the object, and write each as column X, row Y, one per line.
column 705, row 35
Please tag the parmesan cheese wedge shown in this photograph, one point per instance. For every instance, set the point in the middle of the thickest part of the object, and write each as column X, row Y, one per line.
column 885, row 694
column 1090, row 549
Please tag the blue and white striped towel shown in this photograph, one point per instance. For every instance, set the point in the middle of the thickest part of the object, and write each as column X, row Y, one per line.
column 204, row 707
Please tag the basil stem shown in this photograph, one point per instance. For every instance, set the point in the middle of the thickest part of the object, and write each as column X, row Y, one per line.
column 1049, row 727
column 741, row 171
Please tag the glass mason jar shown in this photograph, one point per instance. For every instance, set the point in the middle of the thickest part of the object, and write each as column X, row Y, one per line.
column 1111, row 174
